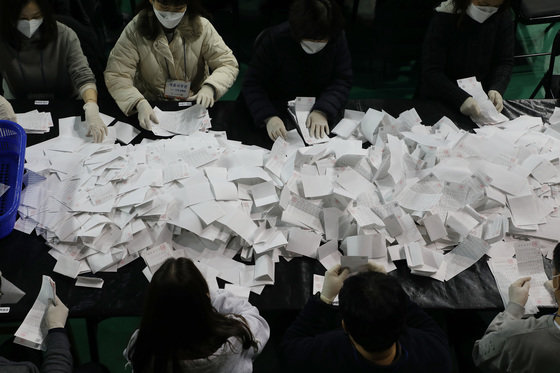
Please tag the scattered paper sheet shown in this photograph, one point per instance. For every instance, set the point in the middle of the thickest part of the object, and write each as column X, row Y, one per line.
column 11, row 294
column 89, row 282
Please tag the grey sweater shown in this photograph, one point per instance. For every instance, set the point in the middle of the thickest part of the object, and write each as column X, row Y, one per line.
column 57, row 357
column 513, row 344
column 57, row 71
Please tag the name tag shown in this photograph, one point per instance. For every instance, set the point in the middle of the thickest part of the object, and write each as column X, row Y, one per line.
column 177, row 89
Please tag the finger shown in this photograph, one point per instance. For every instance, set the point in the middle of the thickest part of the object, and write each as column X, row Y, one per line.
column 56, row 300
column 105, row 130
column 308, row 122
column 345, row 272
column 317, row 131
column 211, row 102
column 154, row 118
column 322, row 131
column 327, row 130
column 283, row 132
column 335, row 269
column 89, row 132
column 522, row 280
column 193, row 97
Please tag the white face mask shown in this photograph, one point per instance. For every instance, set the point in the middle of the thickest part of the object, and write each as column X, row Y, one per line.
column 312, row 47
column 169, row 20
column 28, row 27
column 481, row 13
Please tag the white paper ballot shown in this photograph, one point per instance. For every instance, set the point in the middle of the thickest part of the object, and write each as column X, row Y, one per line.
column 125, row 132
column 354, row 263
column 89, row 282
column 67, row 266
column 11, row 294
column 316, row 186
column 32, row 331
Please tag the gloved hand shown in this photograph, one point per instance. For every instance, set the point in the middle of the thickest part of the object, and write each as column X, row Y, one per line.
column 334, row 279
column 317, row 124
column 204, row 97
column 549, row 286
column 6, row 110
column 496, row 99
column 97, row 128
column 275, row 127
column 519, row 291
column 470, row 108
column 146, row 115
column 56, row 314
column 374, row 267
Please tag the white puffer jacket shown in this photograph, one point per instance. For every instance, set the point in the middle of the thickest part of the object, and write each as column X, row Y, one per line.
column 137, row 67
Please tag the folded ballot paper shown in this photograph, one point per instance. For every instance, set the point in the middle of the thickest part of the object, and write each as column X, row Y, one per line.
column 488, row 112
column 35, row 121
column 33, row 330
column 435, row 197
column 181, row 122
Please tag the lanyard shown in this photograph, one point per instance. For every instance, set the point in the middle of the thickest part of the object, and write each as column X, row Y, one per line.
column 184, row 60
column 24, row 77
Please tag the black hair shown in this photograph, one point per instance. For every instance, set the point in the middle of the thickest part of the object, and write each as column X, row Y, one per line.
column 179, row 322
column 556, row 258
column 10, row 10
column 315, row 19
column 373, row 307
column 149, row 26
column 460, row 6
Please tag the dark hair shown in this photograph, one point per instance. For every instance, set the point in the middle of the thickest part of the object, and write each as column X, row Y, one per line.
column 556, row 258
column 10, row 11
column 460, row 6
column 373, row 307
column 149, row 26
column 179, row 322
column 315, row 19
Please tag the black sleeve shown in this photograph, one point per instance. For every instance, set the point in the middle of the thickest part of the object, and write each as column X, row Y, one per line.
column 434, row 59
column 333, row 99
column 58, row 357
column 259, row 73
column 302, row 347
column 503, row 55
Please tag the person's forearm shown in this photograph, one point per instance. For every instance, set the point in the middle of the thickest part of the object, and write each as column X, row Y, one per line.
column 89, row 95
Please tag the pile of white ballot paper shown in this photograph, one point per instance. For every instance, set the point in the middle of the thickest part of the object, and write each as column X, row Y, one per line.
column 436, row 197
column 35, row 122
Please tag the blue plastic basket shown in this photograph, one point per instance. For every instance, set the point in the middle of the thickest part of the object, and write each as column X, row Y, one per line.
column 12, row 159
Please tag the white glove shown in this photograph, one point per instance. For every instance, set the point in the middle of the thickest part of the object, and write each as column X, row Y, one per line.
column 470, row 108
column 204, row 97
column 275, row 128
column 334, row 279
column 6, row 110
column 97, row 128
column 519, row 291
column 496, row 99
column 317, row 124
column 146, row 115
column 56, row 314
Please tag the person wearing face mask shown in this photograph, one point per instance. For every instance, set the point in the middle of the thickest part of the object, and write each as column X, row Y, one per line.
column 305, row 57
column 468, row 38
column 42, row 59
column 514, row 344
column 168, row 52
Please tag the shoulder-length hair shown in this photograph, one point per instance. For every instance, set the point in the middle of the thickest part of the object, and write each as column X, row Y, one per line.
column 179, row 322
column 149, row 26
column 10, row 11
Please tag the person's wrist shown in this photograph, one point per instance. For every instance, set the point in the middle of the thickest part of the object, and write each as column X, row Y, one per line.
column 326, row 299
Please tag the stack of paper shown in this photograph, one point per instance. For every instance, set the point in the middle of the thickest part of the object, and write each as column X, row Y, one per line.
column 488, row 112
column 181, row 122
column 35, row 122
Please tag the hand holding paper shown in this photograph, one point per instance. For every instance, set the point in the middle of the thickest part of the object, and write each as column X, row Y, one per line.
column 334, row 279
column 519, row 291
column 56, row 314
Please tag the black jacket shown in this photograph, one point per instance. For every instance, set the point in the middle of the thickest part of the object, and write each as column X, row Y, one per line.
column 280, row 71
column 315, row 342
column 458, row 47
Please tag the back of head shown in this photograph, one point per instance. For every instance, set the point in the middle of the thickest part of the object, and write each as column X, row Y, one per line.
column 373, row 307
column 315, row 19
column 10, row 11
column 556, row 259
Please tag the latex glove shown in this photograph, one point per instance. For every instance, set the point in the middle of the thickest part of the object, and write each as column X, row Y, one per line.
column 374, row 267
column 96, row 126
column 6, row 110
column 519, row 291
column 146, row 115
column 317, row 124
column 549, row 286
column 496, row 99
column 275, row 127
column 334, row 279
column 204, row 97
column 470, row 108
column 56, row 314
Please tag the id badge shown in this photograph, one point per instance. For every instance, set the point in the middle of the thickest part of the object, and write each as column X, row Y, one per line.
column 178, row 89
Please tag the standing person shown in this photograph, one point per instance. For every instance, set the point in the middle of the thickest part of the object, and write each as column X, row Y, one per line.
column 168, row 51
column 514, row 344
column 42, row 59
column 307, row 56
column 468, row 38
column 382, row 329
column 187, row 328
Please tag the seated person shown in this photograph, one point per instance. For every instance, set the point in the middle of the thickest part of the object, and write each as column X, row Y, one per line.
column 187, row 328
column 42, row 59
column 305, row 57
column 382, row 329
column 167, row 52
column 6, row 110
column 468, row 38
column 513, row 344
